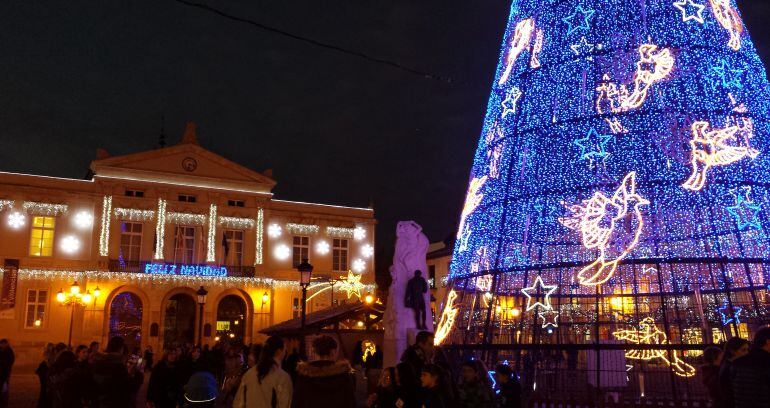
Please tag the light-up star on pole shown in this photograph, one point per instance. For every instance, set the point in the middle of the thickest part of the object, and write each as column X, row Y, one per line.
column 511, row 100
column 547, row 291
column 728, row 76
column 690, row 10
column 582, row 47
column 351, row 285
column 726, row 317
column 593, row 146
column 582, row 16
column 550, row 318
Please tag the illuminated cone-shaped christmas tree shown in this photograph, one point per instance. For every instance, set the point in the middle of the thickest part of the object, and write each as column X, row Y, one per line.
column 619, row 193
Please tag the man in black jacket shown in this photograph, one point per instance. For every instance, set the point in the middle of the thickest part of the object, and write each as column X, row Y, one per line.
column 750, row 374
column 509, row 386
column 327, row 382
column 6, row 364
column 116, row 382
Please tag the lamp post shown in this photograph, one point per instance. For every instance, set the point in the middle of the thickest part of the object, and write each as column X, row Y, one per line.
column 201, row 301
column 75, row 297
column 305, row 273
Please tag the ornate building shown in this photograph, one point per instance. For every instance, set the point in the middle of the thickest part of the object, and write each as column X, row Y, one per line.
column 128, row 250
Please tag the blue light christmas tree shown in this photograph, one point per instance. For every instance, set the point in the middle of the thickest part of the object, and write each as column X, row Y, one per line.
column 624, row 153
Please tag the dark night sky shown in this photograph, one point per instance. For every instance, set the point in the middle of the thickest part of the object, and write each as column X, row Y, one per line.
column 336, row 129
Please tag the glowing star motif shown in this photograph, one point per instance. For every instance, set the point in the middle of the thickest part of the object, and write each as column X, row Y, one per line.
column 746, row 214
column 510, row 101
column 547, row 291
column 536, row 48
column 16, row 220
column 654, row 66
column 729, row 19
column 648, row 333
column 521, row 38
column 359, row 265
column 582, row 47
column 447, row 321
column 322, row 247
column 351, row 284
column 274, row 230
column 593, row 146
column 583, row 19
column 549, row 318
column 690, row 10
column 472, row 201
column 729, row 77
column 367, row 251
column 604, row 221
column 718, row 147
column 727, row 317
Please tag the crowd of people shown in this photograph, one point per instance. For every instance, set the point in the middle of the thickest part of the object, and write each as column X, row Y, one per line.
column 274, row 375
column 738, row 375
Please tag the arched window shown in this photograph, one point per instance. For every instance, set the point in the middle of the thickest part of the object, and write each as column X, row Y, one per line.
column 126, row 319
column 179, row 321
column 231, row 315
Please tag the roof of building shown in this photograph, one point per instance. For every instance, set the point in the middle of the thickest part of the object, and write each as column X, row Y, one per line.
column 323, row 318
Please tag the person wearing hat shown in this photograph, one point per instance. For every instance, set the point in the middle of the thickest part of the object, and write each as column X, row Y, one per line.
column 201, row 390
column 510, row 388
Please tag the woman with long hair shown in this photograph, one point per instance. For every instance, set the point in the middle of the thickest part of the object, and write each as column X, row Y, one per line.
column 266, row 384
column 407, row 386
column 385, row 394
column 165, row 387
column 42, row 371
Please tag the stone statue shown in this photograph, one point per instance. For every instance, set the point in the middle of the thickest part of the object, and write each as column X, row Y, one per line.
column 401, row 319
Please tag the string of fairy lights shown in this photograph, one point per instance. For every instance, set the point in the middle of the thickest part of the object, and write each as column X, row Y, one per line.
column 621, row 174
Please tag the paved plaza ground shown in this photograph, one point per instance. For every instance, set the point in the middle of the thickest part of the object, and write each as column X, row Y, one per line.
column 25, row 388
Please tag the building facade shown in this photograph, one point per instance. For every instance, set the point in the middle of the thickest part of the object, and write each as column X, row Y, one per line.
column 128, row 250
column 438, row 259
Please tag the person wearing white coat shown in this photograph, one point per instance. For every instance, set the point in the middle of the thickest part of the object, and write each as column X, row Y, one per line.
column 266, row 385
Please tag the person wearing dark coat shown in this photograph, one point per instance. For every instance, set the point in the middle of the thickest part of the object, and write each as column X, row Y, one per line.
column 436, row 392
column 385, row 394
column 7, row 359
column 420, row 353
column 734, row 349
column 750, row 374
column 116, row 382
column 712, row 356
column 165, row 389
column 67, row 381
column 414, row 298
column 407, row 387
column 325, row 382
column 509, row 386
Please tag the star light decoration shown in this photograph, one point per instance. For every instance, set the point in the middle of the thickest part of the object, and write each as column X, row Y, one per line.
column 274, row 230
column 745, row 211
column 593, row 147
column 359, row 265
column 582, row 47
column 367, row 251
column 547, row 291
column 583, row 19
column 730, row 77
column 359, row 233
column 728, row 317
column 16, row 220
column 691, row 10
column 549, row 318
column 510, row 101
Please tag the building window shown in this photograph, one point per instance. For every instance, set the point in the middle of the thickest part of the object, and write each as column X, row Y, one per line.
column 432, row 276
column 134, row 193
column 340, row 255
column 36, row 302
column 41, row 239
column 184, row 245
column 235, row 203
column 130, row 241
column 300, row 250
column 186, row 198
column 233, row 246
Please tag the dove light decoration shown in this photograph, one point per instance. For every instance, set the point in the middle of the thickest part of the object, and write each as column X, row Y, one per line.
column 472, row 201
column 729, row 19
column 598, row 220
column 521, row 40
column 717, row 147
column 648, row 333
column 447, row 321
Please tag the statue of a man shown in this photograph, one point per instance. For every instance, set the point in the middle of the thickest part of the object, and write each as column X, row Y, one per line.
column 414, row 298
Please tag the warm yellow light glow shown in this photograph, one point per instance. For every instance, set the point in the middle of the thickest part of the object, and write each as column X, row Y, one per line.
column 258, row 259
column 216, row 338
column 648, row 333
column 598, row 220
column 472, row 200
column 520, row 41
column 369, row 299
column 87, row 297
column 515, row 312
column 37, row 322
column 369, row 349
column 61, row 297
column 97, row 292
column 265, row 298
column 360, row 324
column 211, row 246
column 447, row 321
column 104, row 228
column 718, row 147
column 729, row 19
column 232, row 335
column 75, row 288
column 160, row 229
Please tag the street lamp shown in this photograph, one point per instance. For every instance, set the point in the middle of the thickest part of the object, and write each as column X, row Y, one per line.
column 74, row 297
column 305, row 273
column 201, row 301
